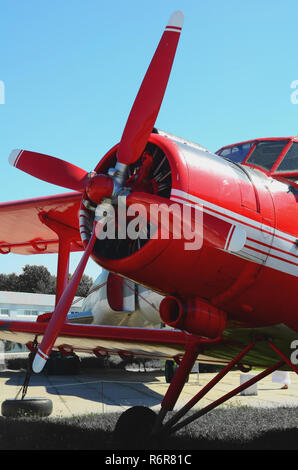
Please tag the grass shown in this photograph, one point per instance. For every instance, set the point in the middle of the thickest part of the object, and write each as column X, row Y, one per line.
column 230, row 428
column 234, row 428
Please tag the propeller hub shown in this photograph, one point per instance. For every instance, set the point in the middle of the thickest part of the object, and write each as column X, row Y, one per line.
column 99, row 187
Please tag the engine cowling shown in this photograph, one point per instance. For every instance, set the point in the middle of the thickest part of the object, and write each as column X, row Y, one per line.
column 163, row 264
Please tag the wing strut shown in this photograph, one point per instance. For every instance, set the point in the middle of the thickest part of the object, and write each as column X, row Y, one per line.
column 66, row 236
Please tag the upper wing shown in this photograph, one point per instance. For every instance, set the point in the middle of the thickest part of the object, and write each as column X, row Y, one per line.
column 23, row 228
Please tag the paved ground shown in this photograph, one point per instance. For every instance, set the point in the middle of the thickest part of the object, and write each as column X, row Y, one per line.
column 110, row 390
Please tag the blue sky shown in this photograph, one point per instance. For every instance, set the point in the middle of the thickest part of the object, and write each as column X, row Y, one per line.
column 72, row 69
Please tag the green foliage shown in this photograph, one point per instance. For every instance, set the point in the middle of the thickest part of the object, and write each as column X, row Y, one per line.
column 38, row 279
column 9, row 282
column 84, row 286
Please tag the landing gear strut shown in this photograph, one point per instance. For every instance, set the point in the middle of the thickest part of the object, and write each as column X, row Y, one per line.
column 174, row 424
column 25, row 407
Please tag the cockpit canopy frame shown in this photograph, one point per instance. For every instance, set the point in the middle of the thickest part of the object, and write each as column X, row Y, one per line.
column 275, row 156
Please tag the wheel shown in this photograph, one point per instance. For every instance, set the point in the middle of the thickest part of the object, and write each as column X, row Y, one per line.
column 133, row 428
column 40, row 407
column 169, row 371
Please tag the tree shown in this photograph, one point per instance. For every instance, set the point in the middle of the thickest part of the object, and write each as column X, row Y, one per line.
column 9, row 282
column 84, row 286
column 38, row 279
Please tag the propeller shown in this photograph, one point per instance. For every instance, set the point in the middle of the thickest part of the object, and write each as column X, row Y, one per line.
column 97, row 187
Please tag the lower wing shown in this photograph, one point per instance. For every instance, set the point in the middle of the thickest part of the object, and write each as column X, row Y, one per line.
column 157, row 343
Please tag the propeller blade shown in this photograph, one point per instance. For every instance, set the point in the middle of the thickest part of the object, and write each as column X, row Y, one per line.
column 61, row 310
column 145, row 109
column 49, row 169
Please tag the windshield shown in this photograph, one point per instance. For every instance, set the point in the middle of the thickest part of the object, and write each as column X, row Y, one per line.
column 236, row 153
column 266, row 153
column 290, row 161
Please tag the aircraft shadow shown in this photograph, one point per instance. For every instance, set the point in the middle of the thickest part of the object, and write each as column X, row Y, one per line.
column 118, row 392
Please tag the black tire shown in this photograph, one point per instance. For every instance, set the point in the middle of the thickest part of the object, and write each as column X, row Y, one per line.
column 170, row 370
column 40, row 407
column 134, row 428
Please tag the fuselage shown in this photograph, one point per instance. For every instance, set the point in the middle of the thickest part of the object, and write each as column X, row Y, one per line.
column 135, row 306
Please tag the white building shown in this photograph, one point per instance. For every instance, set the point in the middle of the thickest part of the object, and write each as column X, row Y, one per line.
column 24, row 306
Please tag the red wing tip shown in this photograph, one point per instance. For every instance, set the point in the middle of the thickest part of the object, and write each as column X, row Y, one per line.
column 176, row 21
column 13, row 157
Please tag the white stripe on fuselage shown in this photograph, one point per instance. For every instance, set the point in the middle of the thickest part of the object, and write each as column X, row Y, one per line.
column 264, row 245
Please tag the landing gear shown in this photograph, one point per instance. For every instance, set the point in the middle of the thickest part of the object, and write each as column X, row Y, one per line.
column 170, row 370
column 26, row 407
column 138, row 424
column 133, row 428
column 176, row 422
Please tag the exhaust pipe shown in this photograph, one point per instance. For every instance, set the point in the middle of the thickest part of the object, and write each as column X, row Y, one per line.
column 193, row 315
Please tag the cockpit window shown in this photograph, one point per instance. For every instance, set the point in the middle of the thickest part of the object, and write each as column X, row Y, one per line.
column 236, row 153
column 266, row 153
column 290, row 161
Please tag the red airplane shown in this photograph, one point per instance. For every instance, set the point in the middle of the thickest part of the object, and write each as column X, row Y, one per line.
column 232, row 299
